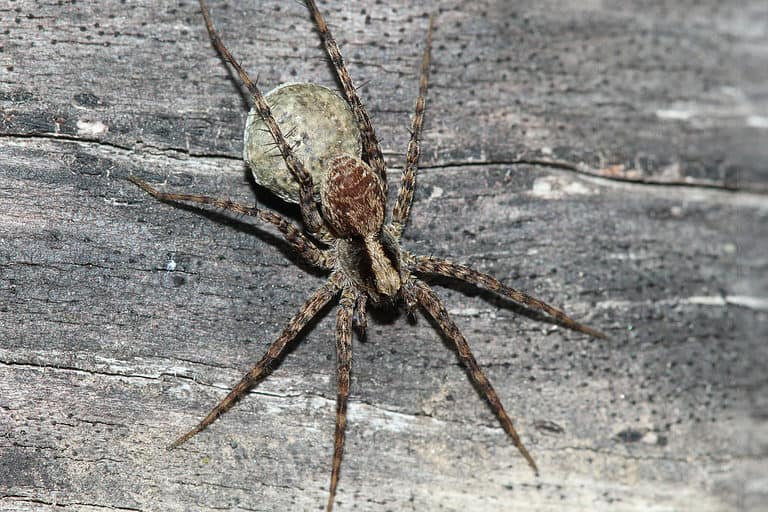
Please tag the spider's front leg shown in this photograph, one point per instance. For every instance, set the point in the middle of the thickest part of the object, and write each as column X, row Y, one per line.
column 309, row 211
column 360, row 318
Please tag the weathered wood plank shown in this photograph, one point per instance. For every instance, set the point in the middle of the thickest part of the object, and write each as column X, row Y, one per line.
column 105, row 355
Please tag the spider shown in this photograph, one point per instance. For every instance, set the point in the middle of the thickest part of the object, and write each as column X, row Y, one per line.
column 348, row 236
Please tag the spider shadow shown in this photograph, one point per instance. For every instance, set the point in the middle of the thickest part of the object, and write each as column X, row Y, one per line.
column 383, row 314
column 234, row 78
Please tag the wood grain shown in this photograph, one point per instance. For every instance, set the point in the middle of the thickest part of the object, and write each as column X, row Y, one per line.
column 607, row 157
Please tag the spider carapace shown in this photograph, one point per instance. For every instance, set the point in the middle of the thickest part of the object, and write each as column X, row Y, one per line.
column 348, row 236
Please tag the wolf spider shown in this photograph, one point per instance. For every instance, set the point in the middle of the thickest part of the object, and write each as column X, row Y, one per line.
column 347, row 236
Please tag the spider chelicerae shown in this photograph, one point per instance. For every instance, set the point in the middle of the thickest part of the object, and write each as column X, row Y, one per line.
column 348, row 236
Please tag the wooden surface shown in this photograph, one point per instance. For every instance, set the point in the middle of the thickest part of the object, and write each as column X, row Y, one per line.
column 651, row 225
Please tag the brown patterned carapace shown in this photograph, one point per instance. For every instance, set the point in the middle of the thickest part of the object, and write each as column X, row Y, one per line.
column 353, row 198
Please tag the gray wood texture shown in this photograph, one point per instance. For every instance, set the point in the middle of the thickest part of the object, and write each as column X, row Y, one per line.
column 608, row 157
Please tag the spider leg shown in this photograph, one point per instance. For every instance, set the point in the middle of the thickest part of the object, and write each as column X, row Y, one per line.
column 309, row 212
column 304, row 246
column 431, row 265
column 360, row 316
column 344, row 354
column 371, row 147
column 408, row 180
column 307, row 312
column 431, row 303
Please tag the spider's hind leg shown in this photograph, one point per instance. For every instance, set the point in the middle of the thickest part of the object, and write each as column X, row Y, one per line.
column 344, row 355
column 431, row 303
column 300, row 320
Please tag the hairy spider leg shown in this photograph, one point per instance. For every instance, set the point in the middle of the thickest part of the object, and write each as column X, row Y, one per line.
column 308, row 311
column 293, row 235
column 438, row 266
column 432, row 305
column 371, row 148
column 344, row 356
column 408, row 180
column 360, row 317
column 309, row 211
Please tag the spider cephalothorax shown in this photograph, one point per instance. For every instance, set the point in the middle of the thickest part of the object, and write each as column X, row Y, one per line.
column 353, row 204
column 348, row 236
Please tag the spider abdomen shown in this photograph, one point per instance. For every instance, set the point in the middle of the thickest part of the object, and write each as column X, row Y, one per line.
column 373, row 264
